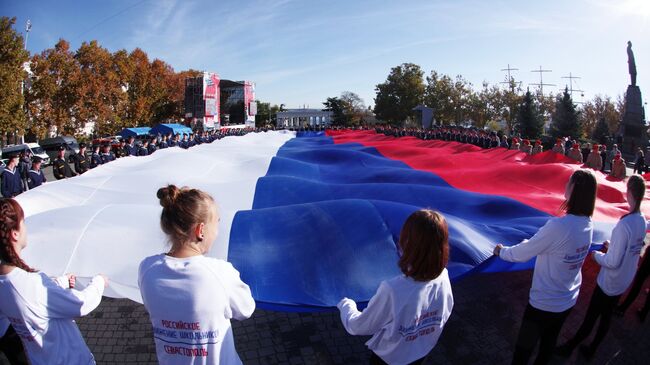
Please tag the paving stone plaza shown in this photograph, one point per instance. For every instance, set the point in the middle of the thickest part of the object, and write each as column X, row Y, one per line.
column 482, row 329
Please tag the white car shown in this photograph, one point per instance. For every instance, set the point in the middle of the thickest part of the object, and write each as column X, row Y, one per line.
column 34, row 148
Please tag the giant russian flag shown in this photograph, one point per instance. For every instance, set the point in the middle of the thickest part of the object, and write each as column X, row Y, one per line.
column 306, row 220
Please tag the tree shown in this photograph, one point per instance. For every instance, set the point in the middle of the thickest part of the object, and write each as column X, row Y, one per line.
column 100, row 88
column 263, row 116
column 511, row 99
column 12, row 58
column 353, row 107
column 402, row 91
column 529, row 121
column 566, row 121
column 337, row 107
column 485, row 106
column 600, row 108
column 53, row 98
column 141, row 100
column 601, row 132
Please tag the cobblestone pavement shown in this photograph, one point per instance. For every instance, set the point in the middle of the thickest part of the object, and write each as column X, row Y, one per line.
column 482, row 330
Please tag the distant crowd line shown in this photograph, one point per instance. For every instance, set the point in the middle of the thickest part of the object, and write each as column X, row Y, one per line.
column 594, row 156
column 24, row 172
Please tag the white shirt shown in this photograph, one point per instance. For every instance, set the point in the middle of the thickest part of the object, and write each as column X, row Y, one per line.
column 561, row 246
column 190, row 303
column 405, row 317
column 620, row 262
column 42, row 313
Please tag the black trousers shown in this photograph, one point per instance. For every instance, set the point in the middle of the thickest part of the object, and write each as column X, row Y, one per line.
column 601, row 305
column 12, row 347
column 641, row 275
column 538, row 326
column 376, row 360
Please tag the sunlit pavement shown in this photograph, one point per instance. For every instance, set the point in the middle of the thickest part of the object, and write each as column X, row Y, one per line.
column 482, row 330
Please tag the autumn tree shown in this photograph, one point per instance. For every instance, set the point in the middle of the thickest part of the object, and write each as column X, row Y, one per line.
column 597, row 110
column 402, row 91
column 141, row 101
column 12, row 58
column 100, row 91
column 353, row 107
column 53, row 97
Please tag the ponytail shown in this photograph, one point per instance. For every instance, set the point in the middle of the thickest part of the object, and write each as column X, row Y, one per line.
column 11, row 215
column 636, row 187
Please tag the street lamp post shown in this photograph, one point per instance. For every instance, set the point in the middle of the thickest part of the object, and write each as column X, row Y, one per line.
column 28, row 27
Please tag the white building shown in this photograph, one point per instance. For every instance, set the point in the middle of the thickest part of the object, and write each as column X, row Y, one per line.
column 295, row 118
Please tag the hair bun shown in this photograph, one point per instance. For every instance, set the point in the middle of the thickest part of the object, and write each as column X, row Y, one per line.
column 168, row 195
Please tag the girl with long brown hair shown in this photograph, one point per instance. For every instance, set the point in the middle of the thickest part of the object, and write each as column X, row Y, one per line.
column 41, row 310
column 618, row 265
column 560, row 247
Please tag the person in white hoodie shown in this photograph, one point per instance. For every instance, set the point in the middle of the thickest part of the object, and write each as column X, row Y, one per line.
column 618, row 265
column 39, row 309
column 407, row 314
column 191, row 298
column 561, row 247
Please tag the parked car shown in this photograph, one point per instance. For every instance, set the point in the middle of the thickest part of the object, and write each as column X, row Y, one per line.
column 51, row 146
column 34, row 148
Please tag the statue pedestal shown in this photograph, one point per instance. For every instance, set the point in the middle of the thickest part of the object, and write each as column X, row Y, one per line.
column 633, row 128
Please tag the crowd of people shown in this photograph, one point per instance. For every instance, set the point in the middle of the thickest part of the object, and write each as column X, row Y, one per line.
column 24, row 172
column 193, row 297
column 594, row 156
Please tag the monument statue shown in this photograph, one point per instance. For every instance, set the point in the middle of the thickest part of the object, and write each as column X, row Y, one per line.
column 633, row 130
column 630, row 63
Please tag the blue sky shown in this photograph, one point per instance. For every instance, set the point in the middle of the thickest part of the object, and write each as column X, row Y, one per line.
column 301, row 52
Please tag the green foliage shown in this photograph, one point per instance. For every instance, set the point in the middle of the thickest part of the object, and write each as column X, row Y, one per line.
column 266, row 114
column 402, row 91
column 529, row 121
column 12, row 57
column 601, row 132
column 337, row 107
column 601, row 109
column 566, row 121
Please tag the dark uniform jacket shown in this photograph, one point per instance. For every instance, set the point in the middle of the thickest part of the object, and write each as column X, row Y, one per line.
column 80, row 163
column 36, row 178
column 95, row 160
column 12, row 183
column 61, row 169
column 131, row 150
column 151, row 148
column 142, row 151
column 107, row 157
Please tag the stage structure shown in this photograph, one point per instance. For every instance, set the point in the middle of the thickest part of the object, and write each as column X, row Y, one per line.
column 237, row 100
column 202, row 101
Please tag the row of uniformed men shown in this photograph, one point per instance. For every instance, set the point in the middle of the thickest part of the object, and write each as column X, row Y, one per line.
column 14, row 182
